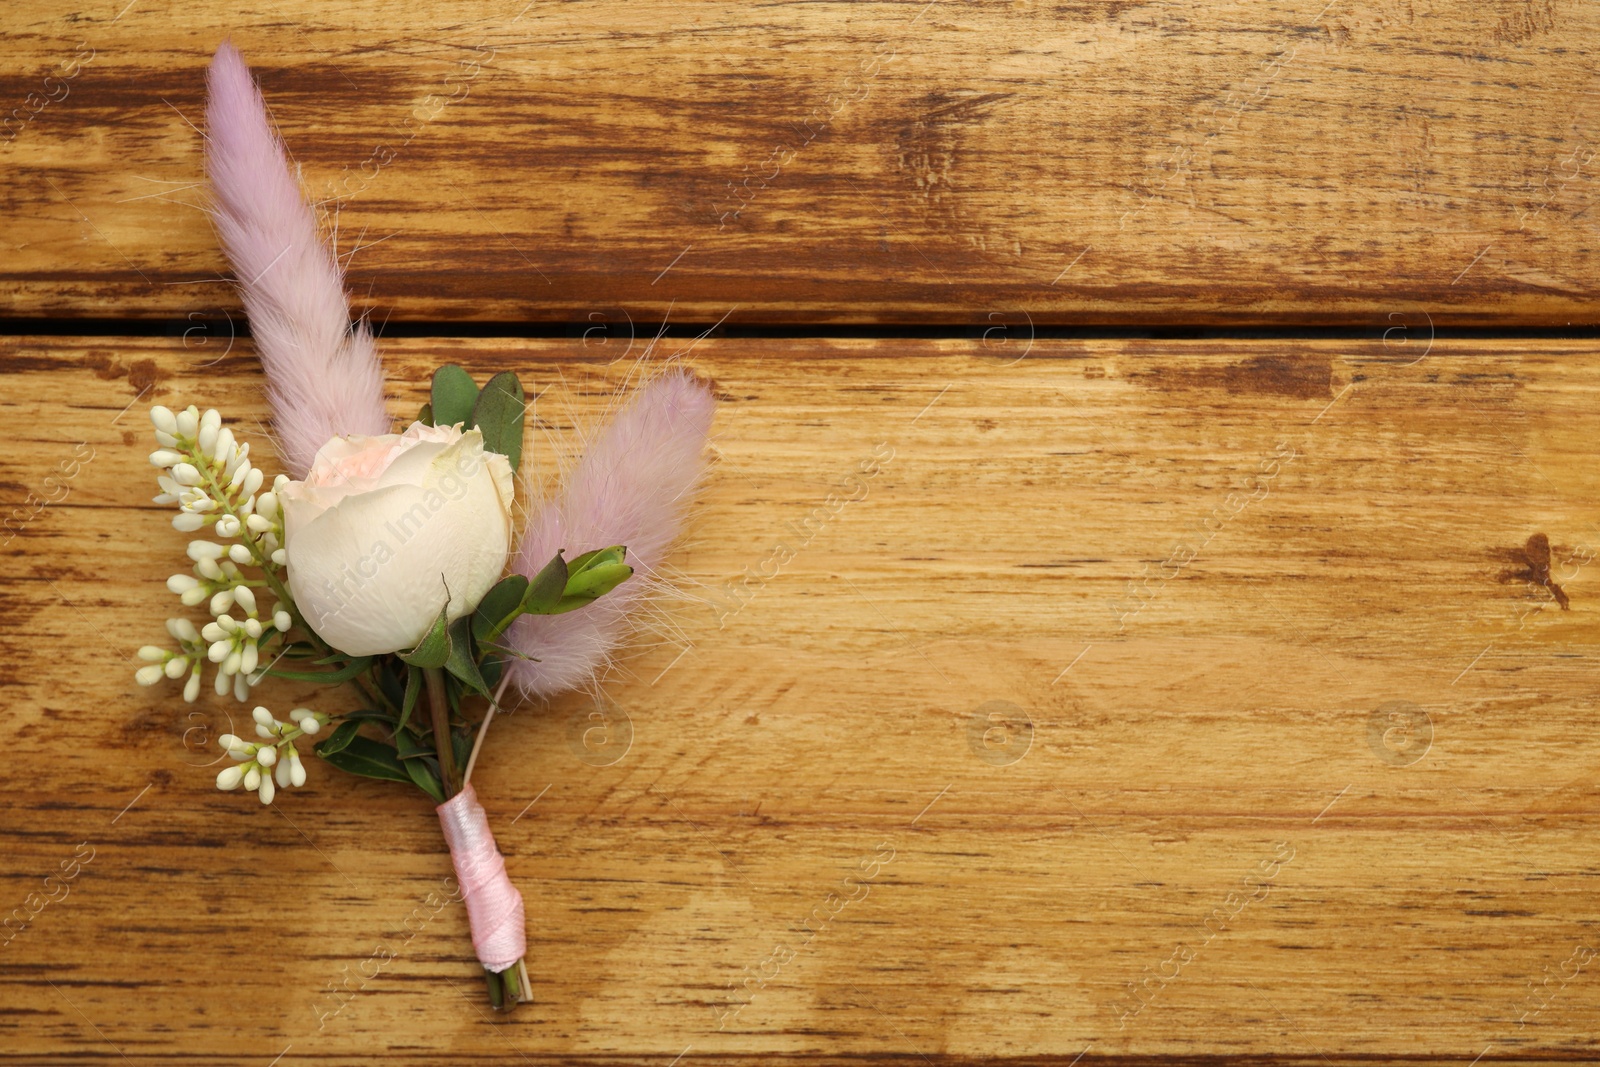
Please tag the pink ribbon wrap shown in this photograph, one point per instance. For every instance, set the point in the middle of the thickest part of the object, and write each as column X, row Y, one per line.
column 494, row 907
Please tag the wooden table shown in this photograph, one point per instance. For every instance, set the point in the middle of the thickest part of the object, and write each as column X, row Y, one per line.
column 1206, row 670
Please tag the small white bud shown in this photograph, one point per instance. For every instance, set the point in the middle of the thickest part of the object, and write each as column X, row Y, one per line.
column 252, row 776
column 195, row 596
column 221, row 601
column 210, row 424
column 228, row 526
column 262, row 715
column 282, row 773
column 218, row 652
column 248, row 655
column 245, row 597
column 297, row 770
column 213, row 632
column 208, row 569
column 252, row 482
column 188, row 421
column 165, row 457
column 152, row 653
column 257, row 524
column 222, row 450
column 149, row 674
column 186, row 474
column 280, row 557
column 267, row 756
column 229, row 742
column 282, row 620
column 163, row 420
column 299, row 713
column 199, row 550
column 175, row 667
column 191, row 688
column 182, row 630
column 310, row 726
column 267, row 505
column 239, row 554
column 187, row 522
column 253, row 628
column 229, row 777
column 267, row 790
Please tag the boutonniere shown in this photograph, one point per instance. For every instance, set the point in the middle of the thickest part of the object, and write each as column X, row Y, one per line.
column 386, row 564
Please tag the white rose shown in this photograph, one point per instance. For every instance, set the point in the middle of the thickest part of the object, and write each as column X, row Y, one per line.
column 383, row 526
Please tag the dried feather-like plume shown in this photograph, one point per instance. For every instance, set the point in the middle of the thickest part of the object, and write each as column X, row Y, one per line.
column 630, row 488
column 323, row 375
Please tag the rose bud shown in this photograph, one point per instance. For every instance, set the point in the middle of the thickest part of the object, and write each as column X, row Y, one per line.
column 383, row 526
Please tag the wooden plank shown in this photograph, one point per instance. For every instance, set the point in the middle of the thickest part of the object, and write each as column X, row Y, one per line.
column 1215, row 671
column 1188, row 162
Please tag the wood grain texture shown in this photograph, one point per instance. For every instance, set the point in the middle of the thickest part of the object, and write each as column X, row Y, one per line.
column 1096, row 162
column 1291, row 732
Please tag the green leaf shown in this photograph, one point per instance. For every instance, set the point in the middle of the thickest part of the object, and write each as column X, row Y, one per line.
column 498, row 414
column 340, row 739
column 546, row 588
column 368, row 715
column 408, row 747
column 454, row 393
column 413, row 690
column 343, row 674
column 461, row 742
column 596, row 582
column 425, row 416
column 503, row 602
column 434, row 650
column 461, row 662
column 368, row 758
column 613, row 554
column 424, row 779
column 492, row 667
column 389, row 683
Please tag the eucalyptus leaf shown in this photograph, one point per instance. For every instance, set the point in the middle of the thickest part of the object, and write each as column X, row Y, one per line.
column 454, row 393
column 498, row 414
column 368, row 758
column 546, row 588
column 498, row 607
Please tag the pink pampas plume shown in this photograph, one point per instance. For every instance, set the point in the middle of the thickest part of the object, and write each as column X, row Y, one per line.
column 323, row 375
column 630, row 488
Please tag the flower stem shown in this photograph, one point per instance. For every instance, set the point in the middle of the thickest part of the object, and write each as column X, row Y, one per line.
column 440, row 709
